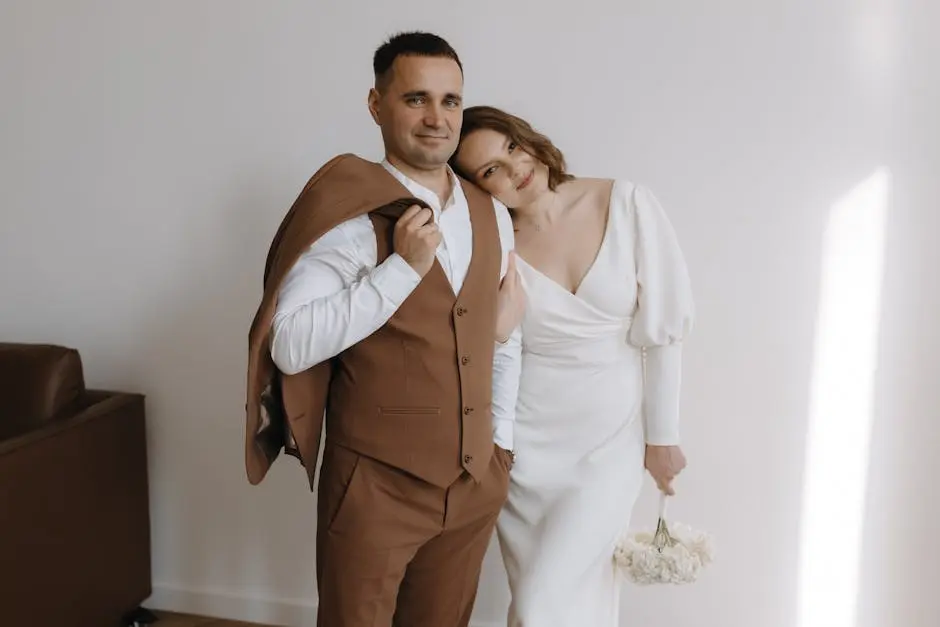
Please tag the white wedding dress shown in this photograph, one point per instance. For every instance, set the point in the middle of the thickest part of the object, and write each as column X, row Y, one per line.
column 580, row 432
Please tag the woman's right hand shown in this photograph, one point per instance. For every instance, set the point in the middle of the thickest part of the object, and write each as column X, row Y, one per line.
column 510, row 301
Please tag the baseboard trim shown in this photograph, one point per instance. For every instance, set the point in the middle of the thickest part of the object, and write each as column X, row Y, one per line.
column 224, row 604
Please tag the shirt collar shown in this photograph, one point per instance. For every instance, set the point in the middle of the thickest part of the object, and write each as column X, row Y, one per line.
column 420, row 191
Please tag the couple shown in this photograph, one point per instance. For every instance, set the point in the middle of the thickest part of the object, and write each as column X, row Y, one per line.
column 454, row 402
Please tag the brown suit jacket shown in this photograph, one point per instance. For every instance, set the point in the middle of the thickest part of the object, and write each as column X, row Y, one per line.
column 345, row 187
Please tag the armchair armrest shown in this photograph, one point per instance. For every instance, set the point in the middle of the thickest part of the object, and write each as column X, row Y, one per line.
column 74, row 510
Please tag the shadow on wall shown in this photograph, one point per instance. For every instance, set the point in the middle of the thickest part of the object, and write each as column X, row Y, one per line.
column 841, row 412
column 197, row 341
column 898, row 539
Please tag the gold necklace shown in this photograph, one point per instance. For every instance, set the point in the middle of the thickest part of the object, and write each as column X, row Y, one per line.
column 538, row 225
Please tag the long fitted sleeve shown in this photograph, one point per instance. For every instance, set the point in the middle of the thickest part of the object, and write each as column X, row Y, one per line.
column 664, row 316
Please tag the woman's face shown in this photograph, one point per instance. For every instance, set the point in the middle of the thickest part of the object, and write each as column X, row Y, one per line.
column 502, row 167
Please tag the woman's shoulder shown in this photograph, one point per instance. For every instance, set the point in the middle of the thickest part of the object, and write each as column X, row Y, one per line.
column 594, row 190
column 614, row 187
column 590, row 183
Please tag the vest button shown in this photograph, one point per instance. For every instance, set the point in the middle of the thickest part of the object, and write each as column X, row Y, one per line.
column 468, row 459
column 467, row 410
column 465, row 360
column 461, row 311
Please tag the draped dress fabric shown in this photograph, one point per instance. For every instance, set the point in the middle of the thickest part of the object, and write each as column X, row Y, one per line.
column 580, row 432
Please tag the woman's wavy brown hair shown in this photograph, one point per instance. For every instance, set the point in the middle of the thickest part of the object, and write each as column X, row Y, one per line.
column 518, row 130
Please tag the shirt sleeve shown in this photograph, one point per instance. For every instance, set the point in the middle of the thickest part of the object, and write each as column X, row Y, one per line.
column 335, row 296
column 507, row 358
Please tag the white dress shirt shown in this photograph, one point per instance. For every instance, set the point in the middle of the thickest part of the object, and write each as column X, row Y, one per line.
column 335, row 295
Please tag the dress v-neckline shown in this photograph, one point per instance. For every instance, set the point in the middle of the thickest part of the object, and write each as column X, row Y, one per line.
column 597, row 255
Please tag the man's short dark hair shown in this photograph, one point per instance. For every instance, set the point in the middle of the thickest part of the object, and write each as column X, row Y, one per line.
column 411, row 43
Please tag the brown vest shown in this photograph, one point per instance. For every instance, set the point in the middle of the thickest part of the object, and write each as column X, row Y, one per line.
column 416, row 394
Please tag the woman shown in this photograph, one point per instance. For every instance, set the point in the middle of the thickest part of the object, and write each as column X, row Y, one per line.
column 606, row 284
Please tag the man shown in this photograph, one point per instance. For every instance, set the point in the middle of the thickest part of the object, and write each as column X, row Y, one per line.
column 384, row 286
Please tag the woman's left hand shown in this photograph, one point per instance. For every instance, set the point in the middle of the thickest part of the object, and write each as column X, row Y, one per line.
column 664, row 463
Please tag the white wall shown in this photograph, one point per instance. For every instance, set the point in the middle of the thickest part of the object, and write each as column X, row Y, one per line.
column 149, row 151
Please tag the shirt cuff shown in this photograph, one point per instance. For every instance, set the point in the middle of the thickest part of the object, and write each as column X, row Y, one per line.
column 662, row 438
column 395, row 279
column 502, row 434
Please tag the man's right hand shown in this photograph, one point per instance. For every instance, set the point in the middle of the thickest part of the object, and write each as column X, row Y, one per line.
column 416, row 238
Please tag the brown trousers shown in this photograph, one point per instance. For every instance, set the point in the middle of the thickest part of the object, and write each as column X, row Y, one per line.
column 393, row 550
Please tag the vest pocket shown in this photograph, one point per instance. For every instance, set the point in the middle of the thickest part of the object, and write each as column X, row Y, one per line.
column 410, row 411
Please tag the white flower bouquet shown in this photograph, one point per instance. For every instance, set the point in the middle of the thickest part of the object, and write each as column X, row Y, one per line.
column 672, row 554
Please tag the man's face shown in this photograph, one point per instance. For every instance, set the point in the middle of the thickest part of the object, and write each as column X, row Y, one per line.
column 420, row 110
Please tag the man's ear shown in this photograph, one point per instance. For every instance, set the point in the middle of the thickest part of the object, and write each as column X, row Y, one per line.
column 374, row 98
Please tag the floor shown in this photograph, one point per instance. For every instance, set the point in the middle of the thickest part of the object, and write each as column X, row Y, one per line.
column 172, row 619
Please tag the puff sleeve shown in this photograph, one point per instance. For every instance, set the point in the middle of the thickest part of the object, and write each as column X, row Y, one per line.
column 664, row 315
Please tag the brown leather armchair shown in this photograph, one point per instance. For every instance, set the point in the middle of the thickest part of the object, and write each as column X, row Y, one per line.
column 74, row 503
